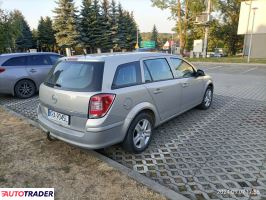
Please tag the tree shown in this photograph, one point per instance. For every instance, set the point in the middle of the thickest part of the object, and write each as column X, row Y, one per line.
column 22, row 35
column 185, row 12
column 6, row 32
column 114, row 24
column 106, row 25
column 85, row 25
column 131, row 31
column 230, row 13
column 96, row 25
column 65, row 24
column 46, row 39
column 121, row 31
column 155, row 35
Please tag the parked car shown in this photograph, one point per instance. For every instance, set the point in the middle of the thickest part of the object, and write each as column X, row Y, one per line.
column 100, row 100
column 219, row 53
column 22, row 73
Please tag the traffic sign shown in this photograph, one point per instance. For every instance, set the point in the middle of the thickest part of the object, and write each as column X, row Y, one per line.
column 147, row 44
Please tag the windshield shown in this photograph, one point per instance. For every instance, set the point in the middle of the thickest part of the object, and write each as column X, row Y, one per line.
column 76, row 76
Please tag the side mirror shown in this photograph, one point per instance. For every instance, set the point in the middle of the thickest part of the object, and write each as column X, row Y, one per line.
column 200, row 73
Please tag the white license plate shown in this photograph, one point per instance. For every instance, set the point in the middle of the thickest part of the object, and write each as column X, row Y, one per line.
column 58, row 117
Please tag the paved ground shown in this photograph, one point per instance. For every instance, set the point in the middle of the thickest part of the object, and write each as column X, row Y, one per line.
column 202, row 154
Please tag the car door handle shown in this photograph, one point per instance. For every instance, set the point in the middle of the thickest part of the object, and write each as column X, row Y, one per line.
column 158, row 91
column 33, row 70
column 185, row 84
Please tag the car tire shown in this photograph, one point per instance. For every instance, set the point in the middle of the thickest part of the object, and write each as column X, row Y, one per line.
column 139, row 134
column 25, row 89
column 207, row 99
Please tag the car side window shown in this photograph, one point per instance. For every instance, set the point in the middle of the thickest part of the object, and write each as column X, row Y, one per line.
column 38, row 60
column 182, row 68
column 54, row 58
column 127, row 75
column 159, row 69
column 147, row 75
column 16, row 61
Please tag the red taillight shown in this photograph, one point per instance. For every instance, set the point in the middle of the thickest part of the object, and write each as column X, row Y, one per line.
column 100, row 105
column 2, row 69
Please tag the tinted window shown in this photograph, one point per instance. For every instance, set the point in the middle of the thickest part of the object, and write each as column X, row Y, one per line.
column 17, row 61
column 182, row 68
column 127, row 75
column 76, row 76
column 38, row 60
column 54, row 58
column 159, row 69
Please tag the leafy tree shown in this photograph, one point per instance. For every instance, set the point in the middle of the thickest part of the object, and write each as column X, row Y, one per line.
column 154, row 35
column 6, row 32
column 184, row 11
column 230, row 14
column 65, row 23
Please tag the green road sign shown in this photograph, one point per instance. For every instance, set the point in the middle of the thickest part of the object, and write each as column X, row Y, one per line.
column 147, row 44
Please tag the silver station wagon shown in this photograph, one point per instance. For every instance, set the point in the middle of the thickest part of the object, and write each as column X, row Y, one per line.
column 95, row 101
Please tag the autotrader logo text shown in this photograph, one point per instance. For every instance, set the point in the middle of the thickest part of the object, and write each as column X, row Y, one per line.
column 27, row 193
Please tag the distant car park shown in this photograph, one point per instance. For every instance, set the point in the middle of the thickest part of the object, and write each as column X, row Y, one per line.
column 21, row 74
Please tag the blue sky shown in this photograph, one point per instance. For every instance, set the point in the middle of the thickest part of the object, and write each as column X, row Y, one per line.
column 145, row 15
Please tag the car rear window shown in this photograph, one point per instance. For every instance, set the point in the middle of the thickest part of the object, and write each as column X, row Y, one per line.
column 16, row 61
column 76, row 76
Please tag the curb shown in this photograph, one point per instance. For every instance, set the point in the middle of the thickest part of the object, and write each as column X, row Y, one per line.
column 221, row 63
column 151, row 184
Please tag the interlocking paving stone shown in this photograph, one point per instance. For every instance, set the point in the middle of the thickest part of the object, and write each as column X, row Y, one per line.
column 202, row 153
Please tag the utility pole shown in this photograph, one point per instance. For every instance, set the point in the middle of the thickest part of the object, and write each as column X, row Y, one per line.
column 137, row 45
column 172, row 43
column 208, row 13
column 251, row 36
column 245, row 39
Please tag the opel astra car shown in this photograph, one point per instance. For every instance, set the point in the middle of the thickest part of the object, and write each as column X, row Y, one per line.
column 22, row 73
column 99, row 100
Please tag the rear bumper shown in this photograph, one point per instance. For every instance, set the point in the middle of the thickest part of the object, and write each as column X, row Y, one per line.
column 87, row 140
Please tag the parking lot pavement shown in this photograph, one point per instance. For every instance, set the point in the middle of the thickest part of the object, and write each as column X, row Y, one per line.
column 215, row 154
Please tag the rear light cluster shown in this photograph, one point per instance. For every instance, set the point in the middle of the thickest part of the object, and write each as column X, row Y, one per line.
column 100, row 104
column 2, row 69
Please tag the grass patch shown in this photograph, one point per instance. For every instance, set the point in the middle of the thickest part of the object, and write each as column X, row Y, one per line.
column 228, row 60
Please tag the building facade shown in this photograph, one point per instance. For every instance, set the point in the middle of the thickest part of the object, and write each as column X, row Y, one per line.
column 252, row 24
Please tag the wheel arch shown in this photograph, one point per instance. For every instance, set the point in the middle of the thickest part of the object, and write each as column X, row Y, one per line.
column 140, row 108
column 21, row 79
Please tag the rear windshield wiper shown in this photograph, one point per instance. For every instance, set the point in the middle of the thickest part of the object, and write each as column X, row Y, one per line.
column 53, row 84
column 57, row 85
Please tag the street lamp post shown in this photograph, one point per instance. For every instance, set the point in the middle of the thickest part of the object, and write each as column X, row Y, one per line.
column 172, row 43
column 251, row 36
column 205, row 49
column 245, row 39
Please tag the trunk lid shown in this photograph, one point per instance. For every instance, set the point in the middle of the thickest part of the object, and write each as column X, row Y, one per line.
column 68, row 89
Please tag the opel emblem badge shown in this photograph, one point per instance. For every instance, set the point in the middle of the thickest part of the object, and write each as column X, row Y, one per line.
column 54, row 99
